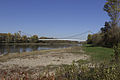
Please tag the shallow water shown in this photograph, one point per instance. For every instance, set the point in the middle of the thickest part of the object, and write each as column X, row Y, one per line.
column 5, row 49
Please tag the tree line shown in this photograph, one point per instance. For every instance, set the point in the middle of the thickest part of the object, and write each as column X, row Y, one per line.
column 109, row 35
column 17, row 38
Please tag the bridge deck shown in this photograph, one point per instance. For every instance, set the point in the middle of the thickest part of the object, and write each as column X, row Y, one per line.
column 63, row 39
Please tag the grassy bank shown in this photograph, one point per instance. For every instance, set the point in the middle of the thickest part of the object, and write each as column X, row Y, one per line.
column 98, row 54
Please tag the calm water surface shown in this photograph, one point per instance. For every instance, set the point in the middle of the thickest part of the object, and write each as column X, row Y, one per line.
column 5, row 49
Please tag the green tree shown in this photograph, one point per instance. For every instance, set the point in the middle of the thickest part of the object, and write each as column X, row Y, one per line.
column 34, row 38
column 24, row 38
column 89, row 39
column 17, row 37
column 105, row 32
column 97, row 39
column 112, row 7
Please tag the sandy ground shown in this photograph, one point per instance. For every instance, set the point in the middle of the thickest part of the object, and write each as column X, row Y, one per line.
column 44, row 60
column 51, row 58
column 38, row 63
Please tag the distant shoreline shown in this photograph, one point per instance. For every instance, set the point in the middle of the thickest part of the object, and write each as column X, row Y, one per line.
column 42, row 44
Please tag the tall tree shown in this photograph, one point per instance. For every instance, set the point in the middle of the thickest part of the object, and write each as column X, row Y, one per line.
column 105, row 34
column 112, row 7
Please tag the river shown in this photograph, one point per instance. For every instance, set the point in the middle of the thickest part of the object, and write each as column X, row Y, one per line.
column 5, row 49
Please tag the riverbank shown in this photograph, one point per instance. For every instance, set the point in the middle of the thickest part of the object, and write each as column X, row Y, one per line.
column 43, row 58
column 5, row 57
column 38, row 63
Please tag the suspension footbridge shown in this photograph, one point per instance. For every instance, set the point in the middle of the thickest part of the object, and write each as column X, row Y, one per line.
column 75, row 37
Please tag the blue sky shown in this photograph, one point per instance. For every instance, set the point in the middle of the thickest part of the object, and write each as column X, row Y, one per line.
column 52, row 18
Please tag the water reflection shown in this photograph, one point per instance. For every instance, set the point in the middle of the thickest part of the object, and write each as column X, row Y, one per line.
column 5, row 49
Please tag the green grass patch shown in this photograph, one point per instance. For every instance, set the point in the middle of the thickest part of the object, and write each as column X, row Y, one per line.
column 98, row 54
column 82, row 61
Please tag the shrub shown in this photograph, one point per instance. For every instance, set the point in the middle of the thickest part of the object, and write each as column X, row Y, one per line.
column 89, row 72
